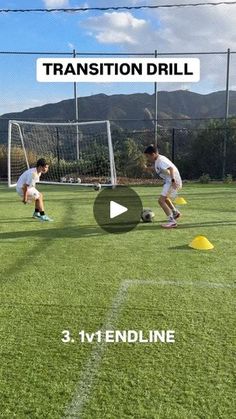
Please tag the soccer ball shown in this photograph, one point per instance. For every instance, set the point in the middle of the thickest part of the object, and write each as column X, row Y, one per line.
column 78, row 180
column 147, row 216
column 97, row 187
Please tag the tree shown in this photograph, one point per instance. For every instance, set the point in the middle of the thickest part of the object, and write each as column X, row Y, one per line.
column 129, row 159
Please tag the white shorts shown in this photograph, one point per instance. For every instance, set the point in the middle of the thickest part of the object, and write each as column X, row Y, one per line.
column 168, row 189
column 32, row 193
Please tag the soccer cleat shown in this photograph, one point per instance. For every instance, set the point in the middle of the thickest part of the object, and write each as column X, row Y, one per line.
column 169, row 224
column 45, row 218
column 36, row 215
column 176, row 215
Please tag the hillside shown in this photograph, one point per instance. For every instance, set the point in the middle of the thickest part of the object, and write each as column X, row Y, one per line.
column 131, row 111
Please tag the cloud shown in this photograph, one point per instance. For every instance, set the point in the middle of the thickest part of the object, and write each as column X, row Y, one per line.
column 116, row 28
column 168, row 30
column 70, row 45
column 196, row 29
column 51, row 4
column 192, row 29
column 201, row 29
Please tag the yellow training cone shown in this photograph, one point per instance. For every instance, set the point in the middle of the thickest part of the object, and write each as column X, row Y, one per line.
column 180, row 201
column 201, row 243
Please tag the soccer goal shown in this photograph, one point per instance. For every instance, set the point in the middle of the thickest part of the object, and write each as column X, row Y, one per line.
column 79, row 153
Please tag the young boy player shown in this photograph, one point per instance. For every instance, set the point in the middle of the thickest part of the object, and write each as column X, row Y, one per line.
column 172, row 183
column 25, row 187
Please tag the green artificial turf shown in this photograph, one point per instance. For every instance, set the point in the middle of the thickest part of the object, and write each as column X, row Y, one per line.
column 68, row 275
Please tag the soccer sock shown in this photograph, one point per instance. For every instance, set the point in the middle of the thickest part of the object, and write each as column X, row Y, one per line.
column 171, row 206
column 42, row 213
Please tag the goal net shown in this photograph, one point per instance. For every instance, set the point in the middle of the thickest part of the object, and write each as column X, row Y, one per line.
column 77, row 153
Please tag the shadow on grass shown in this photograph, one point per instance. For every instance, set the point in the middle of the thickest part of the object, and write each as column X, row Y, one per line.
column 221, row 210
column 14, row 271
column 54, row 233
column 17, row 220
column 207, row 224
column 157, row 226
column 183, row 247
column 79, row 232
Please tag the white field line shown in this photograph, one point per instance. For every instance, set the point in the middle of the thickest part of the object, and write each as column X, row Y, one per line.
column 84, row 388
column 88, row 375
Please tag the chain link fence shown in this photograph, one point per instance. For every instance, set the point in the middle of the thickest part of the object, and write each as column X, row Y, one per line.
column 192, row 124
column 197, row 152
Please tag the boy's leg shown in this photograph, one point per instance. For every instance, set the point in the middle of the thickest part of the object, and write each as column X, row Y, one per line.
column 165, row 205
column 162, row 200
column 34, row 194
column 39, row 205
column 170, row 204
column 38, row 198
column 176, row 213
column 39, row 209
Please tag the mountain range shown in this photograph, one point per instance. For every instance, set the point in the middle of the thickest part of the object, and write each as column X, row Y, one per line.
column 132, row 111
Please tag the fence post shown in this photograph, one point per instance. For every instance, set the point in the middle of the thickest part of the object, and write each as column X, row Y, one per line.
column 76, row 114
column 156, row 105
column 225, row 140
column 173, row 146
column 58, row 154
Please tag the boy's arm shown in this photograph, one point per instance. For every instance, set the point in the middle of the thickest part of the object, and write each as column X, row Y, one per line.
column 171, row 170
column 148, row 169
column 25, row 193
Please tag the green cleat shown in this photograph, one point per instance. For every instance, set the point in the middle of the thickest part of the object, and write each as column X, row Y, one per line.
column 36, row 215
column 45, row 218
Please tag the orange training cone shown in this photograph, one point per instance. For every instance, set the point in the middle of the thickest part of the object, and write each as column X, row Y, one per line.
column 201, row 243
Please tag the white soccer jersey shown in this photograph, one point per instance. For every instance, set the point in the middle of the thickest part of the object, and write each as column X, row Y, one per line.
column 162, row 163
column 29, row 177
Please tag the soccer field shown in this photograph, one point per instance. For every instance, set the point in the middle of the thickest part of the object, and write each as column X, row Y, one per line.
column 71, row 275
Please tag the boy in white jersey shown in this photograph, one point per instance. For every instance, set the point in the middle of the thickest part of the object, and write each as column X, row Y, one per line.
column 172, row 183
column 25, row 187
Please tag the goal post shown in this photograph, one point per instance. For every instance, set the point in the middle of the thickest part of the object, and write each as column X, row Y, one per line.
column 78, row 153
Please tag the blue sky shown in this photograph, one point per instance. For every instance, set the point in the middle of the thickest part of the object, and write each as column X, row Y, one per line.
column 168, row 30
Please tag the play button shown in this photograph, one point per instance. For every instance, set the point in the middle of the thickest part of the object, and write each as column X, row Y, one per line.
column 117, row 210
